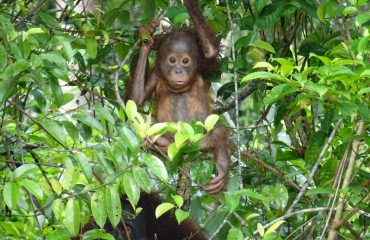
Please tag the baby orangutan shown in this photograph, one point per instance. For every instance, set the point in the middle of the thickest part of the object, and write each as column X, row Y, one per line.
column 180, row 91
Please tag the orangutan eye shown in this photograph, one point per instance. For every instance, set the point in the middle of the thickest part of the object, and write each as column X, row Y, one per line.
column 172, row 60
column 185, row 61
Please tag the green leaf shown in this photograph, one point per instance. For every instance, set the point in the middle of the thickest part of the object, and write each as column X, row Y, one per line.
column 90, row 121
column 91, row 46
column 320, row 190
column 178, row 200
column 70, row 177
column 264, row 45
column 3, row 58
column 58, row 208
column 68, row 51
column 211, row 121
column 157, row 128
column 32, row 187
column 163, row 208
column 180, row 18
column 181, row 215
column 104, row 113
column 72, row 131
column 56, row 58
column 11, row 194
column 57, row 91
column 318, row 88
column 156, row 166
column 132, row 189
column 131, row 109
column 278, row 92
column 72, row 217
column 172, row 151
column 97, row 234
column 55, row 130
column 361, row 19
column 180, row 139
column 57, row 187
column 114, row 208
column 99, row 208
column 142, row 179
column 10, row 79
column 362, row 46
column 24, row 170
column 84, row 165
column 262, row 75
column 260, row 229
column 130, row 138
column 349, row 10
column 40, row 99
column 235, row 234
column 31, row 31
column 274, row 227
column 49, row 19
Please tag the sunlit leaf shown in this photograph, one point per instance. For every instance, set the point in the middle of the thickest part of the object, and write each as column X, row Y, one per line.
column 274, row 227
column 132, row 189
column 156, row 166
column 32, row 187
column 11, row 194
column 142, row 179
column 163, row 208
column 114, row 208
column 99, row 208
column 178, row 200
column 181, row 215
column 24, row 170
column 211, row 121
column 72, row 217
column 90, row 121
column 84, row 164
column 262, row 75
column 260, row 229
column 3, row 58
column 235, row 234
column 97, row 234
column 264, row 45
column 131, row 109
column 91, row 46
column 55, row 130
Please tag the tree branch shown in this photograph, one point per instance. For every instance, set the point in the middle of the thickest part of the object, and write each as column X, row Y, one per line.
column 242, row 94
column 315, row 167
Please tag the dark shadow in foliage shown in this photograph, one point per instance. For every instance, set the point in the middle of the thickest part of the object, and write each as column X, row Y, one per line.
column 145, row 226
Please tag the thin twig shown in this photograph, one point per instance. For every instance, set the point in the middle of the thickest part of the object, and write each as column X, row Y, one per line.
column 236, row 99
column 270, row 168
column 291, row 214
column 347, row 177
column 220, row 227
column 241, row 95
column 19, row 25
column 315, row 167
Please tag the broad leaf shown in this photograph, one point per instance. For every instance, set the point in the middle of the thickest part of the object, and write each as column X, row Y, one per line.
column 32, row 187
column 11, row 194
column 132, row 189
column 72, row 217
column 99, row 208
column 163, row 208
column 142, row 179
column 114, row 208
column 156, row 166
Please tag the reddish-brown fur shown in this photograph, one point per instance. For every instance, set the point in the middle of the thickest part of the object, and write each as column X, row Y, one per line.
column 178, row 86
column 146, row 227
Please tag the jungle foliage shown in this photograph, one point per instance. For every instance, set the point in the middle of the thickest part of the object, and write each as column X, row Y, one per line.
column 70, row 147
